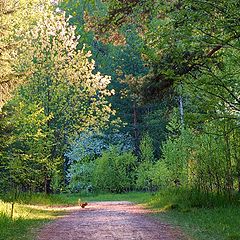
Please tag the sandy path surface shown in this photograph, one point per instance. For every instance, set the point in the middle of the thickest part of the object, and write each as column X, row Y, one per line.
column 110, row 221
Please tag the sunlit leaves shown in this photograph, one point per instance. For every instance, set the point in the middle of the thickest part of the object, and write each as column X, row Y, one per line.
column 66, row 74
column 16, row 18
column 62, row 95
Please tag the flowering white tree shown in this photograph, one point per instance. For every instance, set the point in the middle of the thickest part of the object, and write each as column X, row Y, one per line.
column 61, row 79
column 16, row 18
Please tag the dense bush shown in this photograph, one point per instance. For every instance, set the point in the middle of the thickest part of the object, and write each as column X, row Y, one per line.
column 81, row 176
column 206, row 160
column 83, row 153
column 143, row 172
column 152, row 177
column 159, row 175
column 114, row 171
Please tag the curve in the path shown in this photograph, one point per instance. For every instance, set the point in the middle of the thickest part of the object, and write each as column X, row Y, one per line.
column 110, row 221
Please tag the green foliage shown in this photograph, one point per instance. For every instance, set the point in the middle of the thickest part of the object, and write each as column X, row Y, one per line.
column 176, row 153
column 183, row 41
column 144, row 180
column 65, row 82
column 206, row 160
column 83, row 153
column 160, row 175
column 27, row 146
column 154, row 122
column 81, row 173
column 146, row 149
column 62, row 96
column 117, row 61
column 16, row 18
column 114, row 171
column 192, row 44
column 56, row 183
column 151, row 174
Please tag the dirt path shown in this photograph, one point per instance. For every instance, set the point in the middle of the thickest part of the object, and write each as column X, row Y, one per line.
column 110, row 221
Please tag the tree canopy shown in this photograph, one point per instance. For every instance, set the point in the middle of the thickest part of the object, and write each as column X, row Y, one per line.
column 146, row 97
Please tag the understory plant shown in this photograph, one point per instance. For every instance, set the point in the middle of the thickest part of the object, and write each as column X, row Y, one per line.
column 114, row 171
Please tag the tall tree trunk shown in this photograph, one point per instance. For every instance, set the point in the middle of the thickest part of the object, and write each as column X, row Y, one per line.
column 229, row 164
column 135, row 127
column 47, row 188
column 12, row 210
column 181, row 110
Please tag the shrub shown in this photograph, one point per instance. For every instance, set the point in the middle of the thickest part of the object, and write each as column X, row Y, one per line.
column 114, row 171
column 144, row 180
column 80, row 175
column 160, row 175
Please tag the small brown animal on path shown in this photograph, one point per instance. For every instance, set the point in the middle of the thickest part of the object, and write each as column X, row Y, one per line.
column 83, row 204
column 110, row 221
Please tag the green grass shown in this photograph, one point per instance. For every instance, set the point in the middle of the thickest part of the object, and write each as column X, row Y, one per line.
column 212, row 218
column 26, row 220
column 206, row 224
column 50, row 199
column 183, row 209
column 136, row 197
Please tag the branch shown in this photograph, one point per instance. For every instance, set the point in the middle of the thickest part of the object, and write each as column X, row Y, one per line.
column 215, row 95
column 211, row 52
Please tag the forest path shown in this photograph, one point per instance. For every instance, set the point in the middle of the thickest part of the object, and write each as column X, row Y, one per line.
column 110, row 221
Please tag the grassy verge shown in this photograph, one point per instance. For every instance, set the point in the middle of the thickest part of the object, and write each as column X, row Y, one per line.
column 206, row 224
column 25, row 223
column 212, row 218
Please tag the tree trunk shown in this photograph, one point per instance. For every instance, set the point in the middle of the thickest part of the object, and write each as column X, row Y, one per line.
column 181, row 110
column 239, row 182
column 47, row 188
column 12, row 210
column 135, row 127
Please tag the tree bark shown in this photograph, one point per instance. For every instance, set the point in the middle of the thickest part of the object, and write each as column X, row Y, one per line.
column 181, row 110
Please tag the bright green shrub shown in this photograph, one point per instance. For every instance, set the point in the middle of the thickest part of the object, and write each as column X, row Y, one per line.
column 80, row 175
column 146, row 149
column 206, row 160
column 176, row 154
column 160, row 175
column 152, row 176
column 144, row 176
column 144, row 180
column 114, row 171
